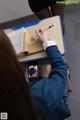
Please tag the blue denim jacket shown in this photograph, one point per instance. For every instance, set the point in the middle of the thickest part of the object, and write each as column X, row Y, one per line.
column 47, row 93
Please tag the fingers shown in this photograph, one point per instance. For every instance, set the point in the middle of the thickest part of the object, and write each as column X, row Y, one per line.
column 43, row 36
column 39, row 32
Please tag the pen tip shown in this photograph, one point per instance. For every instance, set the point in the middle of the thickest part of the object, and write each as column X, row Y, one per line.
column 51, row 26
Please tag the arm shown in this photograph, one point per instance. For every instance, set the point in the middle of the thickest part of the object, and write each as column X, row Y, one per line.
column 55, row 85
column 59, row 68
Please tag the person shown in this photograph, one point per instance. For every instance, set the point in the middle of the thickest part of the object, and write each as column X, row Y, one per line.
column 15, row 97
column 48, row 8
column 48, row 92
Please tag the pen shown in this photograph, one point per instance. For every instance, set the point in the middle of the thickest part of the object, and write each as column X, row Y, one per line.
column 48, row 28
column 36, row 37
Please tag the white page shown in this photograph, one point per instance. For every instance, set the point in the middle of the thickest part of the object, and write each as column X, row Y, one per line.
column 16, row 38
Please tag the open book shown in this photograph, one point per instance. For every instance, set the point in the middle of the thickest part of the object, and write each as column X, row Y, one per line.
column 26, row 41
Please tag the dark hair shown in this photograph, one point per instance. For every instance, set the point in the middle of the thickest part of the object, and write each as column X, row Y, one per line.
column 15, row 96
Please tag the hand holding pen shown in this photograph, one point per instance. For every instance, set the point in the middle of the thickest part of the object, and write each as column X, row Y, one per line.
column 41, row 32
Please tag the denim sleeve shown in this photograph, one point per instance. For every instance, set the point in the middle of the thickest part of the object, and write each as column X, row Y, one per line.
column 55, row 84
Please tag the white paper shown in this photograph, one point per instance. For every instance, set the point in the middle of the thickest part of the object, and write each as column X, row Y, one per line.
column 16, row 38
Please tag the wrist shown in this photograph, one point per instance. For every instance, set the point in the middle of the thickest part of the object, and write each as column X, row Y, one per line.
column 48, row 43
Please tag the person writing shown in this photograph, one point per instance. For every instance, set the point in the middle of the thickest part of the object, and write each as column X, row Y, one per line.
column 48, row 92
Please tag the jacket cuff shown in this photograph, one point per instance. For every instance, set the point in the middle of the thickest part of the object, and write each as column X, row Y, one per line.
column 49, row 43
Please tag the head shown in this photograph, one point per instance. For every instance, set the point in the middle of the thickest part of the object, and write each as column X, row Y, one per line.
column 14, row 92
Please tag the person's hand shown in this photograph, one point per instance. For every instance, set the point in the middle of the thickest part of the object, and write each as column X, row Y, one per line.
column 43, row 35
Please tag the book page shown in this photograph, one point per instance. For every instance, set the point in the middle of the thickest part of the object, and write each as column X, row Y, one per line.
column 34, row 44
column 55, row 33
column 26, row 39
column 16, row 38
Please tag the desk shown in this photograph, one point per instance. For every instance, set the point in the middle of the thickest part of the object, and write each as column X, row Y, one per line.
column 58, row 36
